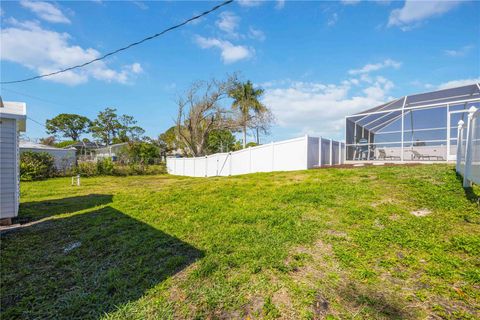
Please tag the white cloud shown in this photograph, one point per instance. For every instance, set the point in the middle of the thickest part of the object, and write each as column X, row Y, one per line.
column 228, row 22
column 230, row 53
column 250, row 3
column 45, row 11
column 458, row 83
column 350, row 2
column 140, row 4
column 332, row 20
column 463, row 51
column 414, row 12
column 280, row 4
column 256, row 34
column 388, row 63
column 45, row 51
column 319, row 109
column 136, row 68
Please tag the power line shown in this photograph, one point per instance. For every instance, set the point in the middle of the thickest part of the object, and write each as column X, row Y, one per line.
column 37, row 122
column 126, row 47
column 42, row 99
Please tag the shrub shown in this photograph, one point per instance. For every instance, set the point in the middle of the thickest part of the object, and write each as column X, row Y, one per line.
column 64, row 144
column 36, row 166
column 140, row 152
column 86, row 169
column 105, row 167
column 109, row 168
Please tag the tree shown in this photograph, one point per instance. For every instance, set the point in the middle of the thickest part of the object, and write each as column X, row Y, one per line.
column 69, row 125
column 140, row 152
column 261, row 123
column 129, row 130
column 220, row 140
column 169, row 142
column 199, row 113
column 106, row 126
column 245, row 101
column 109, row 128
column 48, row 141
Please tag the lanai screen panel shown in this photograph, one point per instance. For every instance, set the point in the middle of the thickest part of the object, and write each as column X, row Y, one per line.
column 420, row 127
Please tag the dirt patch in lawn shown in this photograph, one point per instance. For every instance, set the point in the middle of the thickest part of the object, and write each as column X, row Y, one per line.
column 421, row 212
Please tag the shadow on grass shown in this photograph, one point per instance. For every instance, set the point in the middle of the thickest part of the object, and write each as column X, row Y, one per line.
column 36, row 210
column 375, row 304
column 85, row 265
column 470, row 193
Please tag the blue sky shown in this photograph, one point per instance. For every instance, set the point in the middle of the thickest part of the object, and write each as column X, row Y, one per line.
column 317, row 61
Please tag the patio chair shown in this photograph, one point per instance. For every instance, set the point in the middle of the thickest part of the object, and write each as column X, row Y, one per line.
column 382, row 155
column 422, row 156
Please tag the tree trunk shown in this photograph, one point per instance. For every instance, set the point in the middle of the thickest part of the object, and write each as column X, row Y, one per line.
column 258, row 138
column 244, row 136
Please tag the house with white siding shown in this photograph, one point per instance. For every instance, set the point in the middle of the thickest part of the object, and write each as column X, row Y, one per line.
column 13, row 116
column 64, row 158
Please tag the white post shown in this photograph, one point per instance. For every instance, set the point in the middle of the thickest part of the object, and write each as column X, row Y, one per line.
column 78, row 180
column 306, row 151
column 273, row 156
column 331, row 151
column 339, row 152
column 230, row 164
column 448, row 131
column 320, row 152
column 468, row 148
column 403, row 127
column 206, row 166
column 459, row 144
column 250, row 160
column 194, row 162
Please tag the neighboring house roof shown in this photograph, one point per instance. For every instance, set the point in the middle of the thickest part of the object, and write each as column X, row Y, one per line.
column 81, row 144
column 33, row 145
column 110, row 147
column 439, row 97
column 14, row 110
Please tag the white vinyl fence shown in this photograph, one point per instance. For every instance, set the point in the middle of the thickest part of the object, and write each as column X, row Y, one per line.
column 288, row 155
column 468, row 148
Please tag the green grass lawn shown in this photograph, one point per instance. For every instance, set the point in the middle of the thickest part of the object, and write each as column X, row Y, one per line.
column 319, row 244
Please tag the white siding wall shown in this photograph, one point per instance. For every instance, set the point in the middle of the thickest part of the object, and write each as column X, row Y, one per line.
column 8, row 168
column 64, row 158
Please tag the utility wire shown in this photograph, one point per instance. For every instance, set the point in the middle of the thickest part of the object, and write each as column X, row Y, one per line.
column 42, row 99
column 37, row 122
column 126, row 47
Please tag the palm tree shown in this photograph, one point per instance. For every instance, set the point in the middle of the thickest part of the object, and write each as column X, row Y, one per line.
column 245, row 99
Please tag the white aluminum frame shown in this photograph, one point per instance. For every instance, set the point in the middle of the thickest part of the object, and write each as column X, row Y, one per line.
column 404, row 110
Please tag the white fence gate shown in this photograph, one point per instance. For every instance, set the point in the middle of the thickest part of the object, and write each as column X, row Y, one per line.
column 288, row 155
column 468, row 148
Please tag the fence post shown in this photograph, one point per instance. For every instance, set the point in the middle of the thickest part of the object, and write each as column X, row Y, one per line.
column 320, row 152
column 206, row 166
column 459, row 145
column 273, row 155
column 331, row 151
column 339, row 152
column 306, row 151
column 250, row 160
column 468, row 148
column 230, row 164
column 194, row 165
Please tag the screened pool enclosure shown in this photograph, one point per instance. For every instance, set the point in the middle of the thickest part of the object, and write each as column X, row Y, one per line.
column 420, row 127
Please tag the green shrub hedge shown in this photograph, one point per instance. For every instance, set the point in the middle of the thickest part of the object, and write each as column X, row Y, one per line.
column 107, row 167
column 36, row 166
